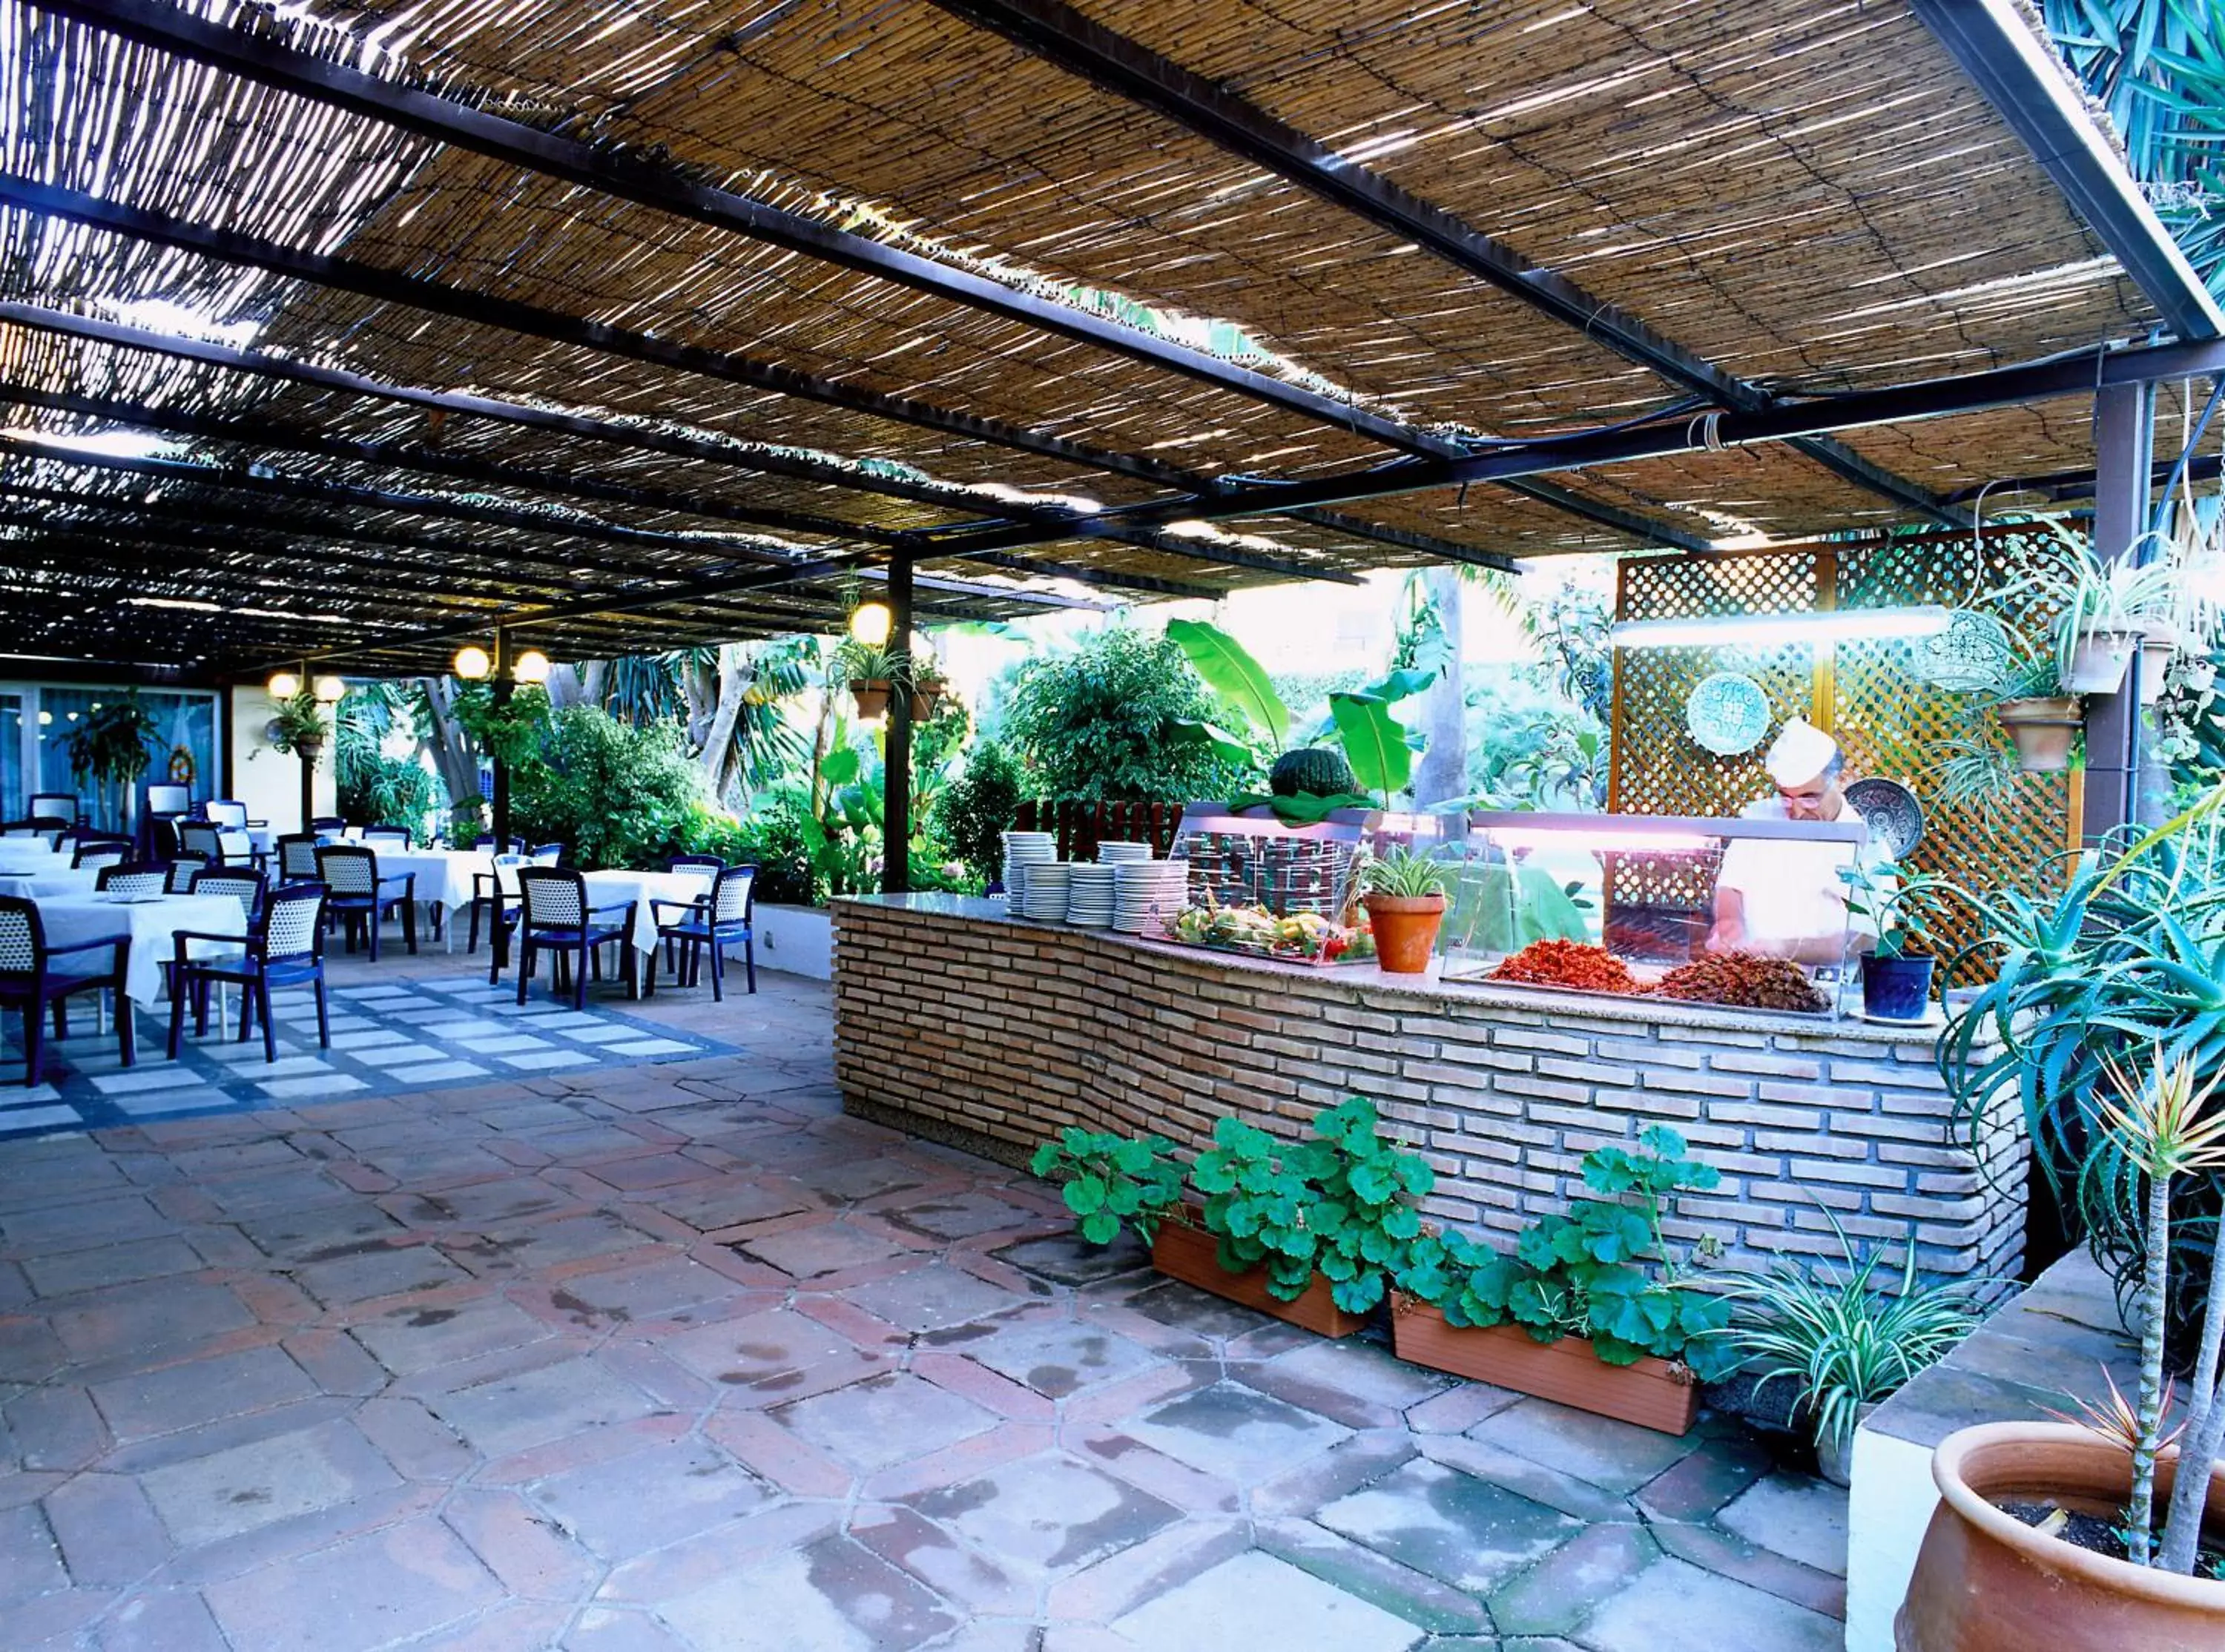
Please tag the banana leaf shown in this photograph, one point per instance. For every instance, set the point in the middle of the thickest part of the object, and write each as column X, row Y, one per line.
column 1235, row 678
column 1374, row 743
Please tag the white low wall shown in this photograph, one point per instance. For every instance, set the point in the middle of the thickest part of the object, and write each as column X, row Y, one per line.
column 794, row 940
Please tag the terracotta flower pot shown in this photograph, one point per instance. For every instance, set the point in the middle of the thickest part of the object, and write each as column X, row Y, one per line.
column 1193, row 1256
column 923, row 702
column 2159, row 644
column 1405, row 928
column 2043, row 729
column 1653, row 1393
column 872, row 694
column 2099, row 659
column 1986, row 1582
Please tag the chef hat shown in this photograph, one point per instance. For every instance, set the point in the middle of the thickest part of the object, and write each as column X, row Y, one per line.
column 1800, row 752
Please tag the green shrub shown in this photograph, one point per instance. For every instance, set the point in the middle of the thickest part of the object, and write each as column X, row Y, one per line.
column 1107, row 721
column 613, row 793
column 375, row 789
column 977, row 807
column 775, row 838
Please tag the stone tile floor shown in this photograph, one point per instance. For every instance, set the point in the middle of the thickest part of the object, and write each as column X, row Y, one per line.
column 676, row 1356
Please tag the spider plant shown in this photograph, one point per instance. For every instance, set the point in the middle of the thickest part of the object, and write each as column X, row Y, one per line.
column 2064, row 575
column 1404, row 872
column 1841, row 1340
column 1974, row 772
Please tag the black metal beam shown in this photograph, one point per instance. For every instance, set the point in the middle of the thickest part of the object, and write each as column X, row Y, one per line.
column 56, row 451
column 453, row 551
column 2080, row 484
column 411, row 456
column 321, row 559
column 648, row 180
column 414, row 292
column 107, row 559
column 1088, row 576
column 1060, row 35
column 1999, row 387
column 1994, row 42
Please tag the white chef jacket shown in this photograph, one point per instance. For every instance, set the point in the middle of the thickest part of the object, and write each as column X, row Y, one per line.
column 1791, row 891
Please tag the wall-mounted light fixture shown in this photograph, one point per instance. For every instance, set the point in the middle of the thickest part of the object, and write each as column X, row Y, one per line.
column 473, row 662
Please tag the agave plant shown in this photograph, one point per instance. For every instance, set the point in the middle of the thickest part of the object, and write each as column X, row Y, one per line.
column 2126, row 965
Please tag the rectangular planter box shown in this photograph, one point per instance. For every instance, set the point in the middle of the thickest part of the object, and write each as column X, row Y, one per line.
column 1192, row 1256
column 1653, row 1393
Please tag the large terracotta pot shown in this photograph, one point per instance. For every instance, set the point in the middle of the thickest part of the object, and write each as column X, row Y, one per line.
column 2043, row 730
column 1406, row 929
column 1985, row 1582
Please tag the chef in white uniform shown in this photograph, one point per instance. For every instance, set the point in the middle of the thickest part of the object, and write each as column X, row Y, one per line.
column 1785, row 899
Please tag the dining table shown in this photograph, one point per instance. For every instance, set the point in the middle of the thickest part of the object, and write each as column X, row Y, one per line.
column 61, row 879
column 640, row 890
column 151, row 921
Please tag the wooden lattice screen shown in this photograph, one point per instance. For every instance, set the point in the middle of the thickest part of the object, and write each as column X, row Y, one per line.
column 1888, row 721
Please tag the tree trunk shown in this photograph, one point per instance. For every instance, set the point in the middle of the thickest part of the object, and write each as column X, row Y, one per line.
column 1442, row 773
column 455, row 758
column 717, row 755
column 577, row 684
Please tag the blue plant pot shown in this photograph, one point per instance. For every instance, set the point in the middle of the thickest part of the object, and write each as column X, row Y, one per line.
column 1896, row 989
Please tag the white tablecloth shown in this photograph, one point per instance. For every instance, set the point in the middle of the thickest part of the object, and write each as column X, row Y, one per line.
column 444, row 875
column 30, row 856
column 640, row 889
column 43, row 885
column 150, row 924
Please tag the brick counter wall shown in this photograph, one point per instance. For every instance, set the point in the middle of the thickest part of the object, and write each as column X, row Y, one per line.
column 953, row 1020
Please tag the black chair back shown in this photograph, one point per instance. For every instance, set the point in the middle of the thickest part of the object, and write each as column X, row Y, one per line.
column 349, row 870
column 200, row 839
column 185, row 868
column 136, row 878
column 328, row 823
column 711, row 866
column 554, row 899
column 61, row 807
column 226, row 811
column 292, row 925
column 734, row 895
column 22, row 937
column 167, row 800
column 488, row 841
column 297, row 858
column 545, row 854
column 241, row 882
column 96, row 852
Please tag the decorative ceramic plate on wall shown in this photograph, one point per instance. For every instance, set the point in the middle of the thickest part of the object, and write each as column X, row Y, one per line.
column 1969, row 655
column 1890, row 810
column 1728, row 713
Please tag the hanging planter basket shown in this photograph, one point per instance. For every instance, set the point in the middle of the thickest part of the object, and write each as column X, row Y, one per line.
column 924, row 700
column 2099, row 660
column 2045, row 731
column 872, row 694
column 2159, row 647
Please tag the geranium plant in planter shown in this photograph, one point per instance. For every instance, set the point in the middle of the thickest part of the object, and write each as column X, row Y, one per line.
column 1593, row 1308
column 1309, row 1231
column 2099, row 1536
column 1406, row 896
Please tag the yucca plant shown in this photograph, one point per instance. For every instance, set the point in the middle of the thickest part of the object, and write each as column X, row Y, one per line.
column 2168, row 1124
column 1843, row 1342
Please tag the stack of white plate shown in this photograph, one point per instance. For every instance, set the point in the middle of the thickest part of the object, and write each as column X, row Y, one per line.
column 1043, row 895
column 1022, row 850
column 1111, row 854
column 1146, row 893
column 1089, row 896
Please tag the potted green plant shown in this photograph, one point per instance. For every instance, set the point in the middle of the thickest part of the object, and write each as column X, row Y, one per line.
column 299, row 728
column 1309, row 1231
column 1405, row 898
column 1897, row 904
column 108, row 746
column 928, row 688
column 874, row 673
column 2098, row 1537
column 2041, row 715
column 1592, row 1309
column 2106, row 612
column 1846, row 1345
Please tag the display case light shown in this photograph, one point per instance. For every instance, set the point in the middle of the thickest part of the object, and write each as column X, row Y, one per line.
column 1776, row 630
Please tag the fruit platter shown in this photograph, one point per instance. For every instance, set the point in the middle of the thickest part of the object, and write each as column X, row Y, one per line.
column 1300, row 938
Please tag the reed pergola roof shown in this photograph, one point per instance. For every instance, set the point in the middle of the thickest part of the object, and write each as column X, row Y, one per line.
column 348, row 331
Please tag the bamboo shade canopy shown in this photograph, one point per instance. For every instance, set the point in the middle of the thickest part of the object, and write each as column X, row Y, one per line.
column 1810, row 199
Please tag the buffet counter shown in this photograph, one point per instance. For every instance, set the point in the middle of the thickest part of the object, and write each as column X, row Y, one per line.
column 961, row 1023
